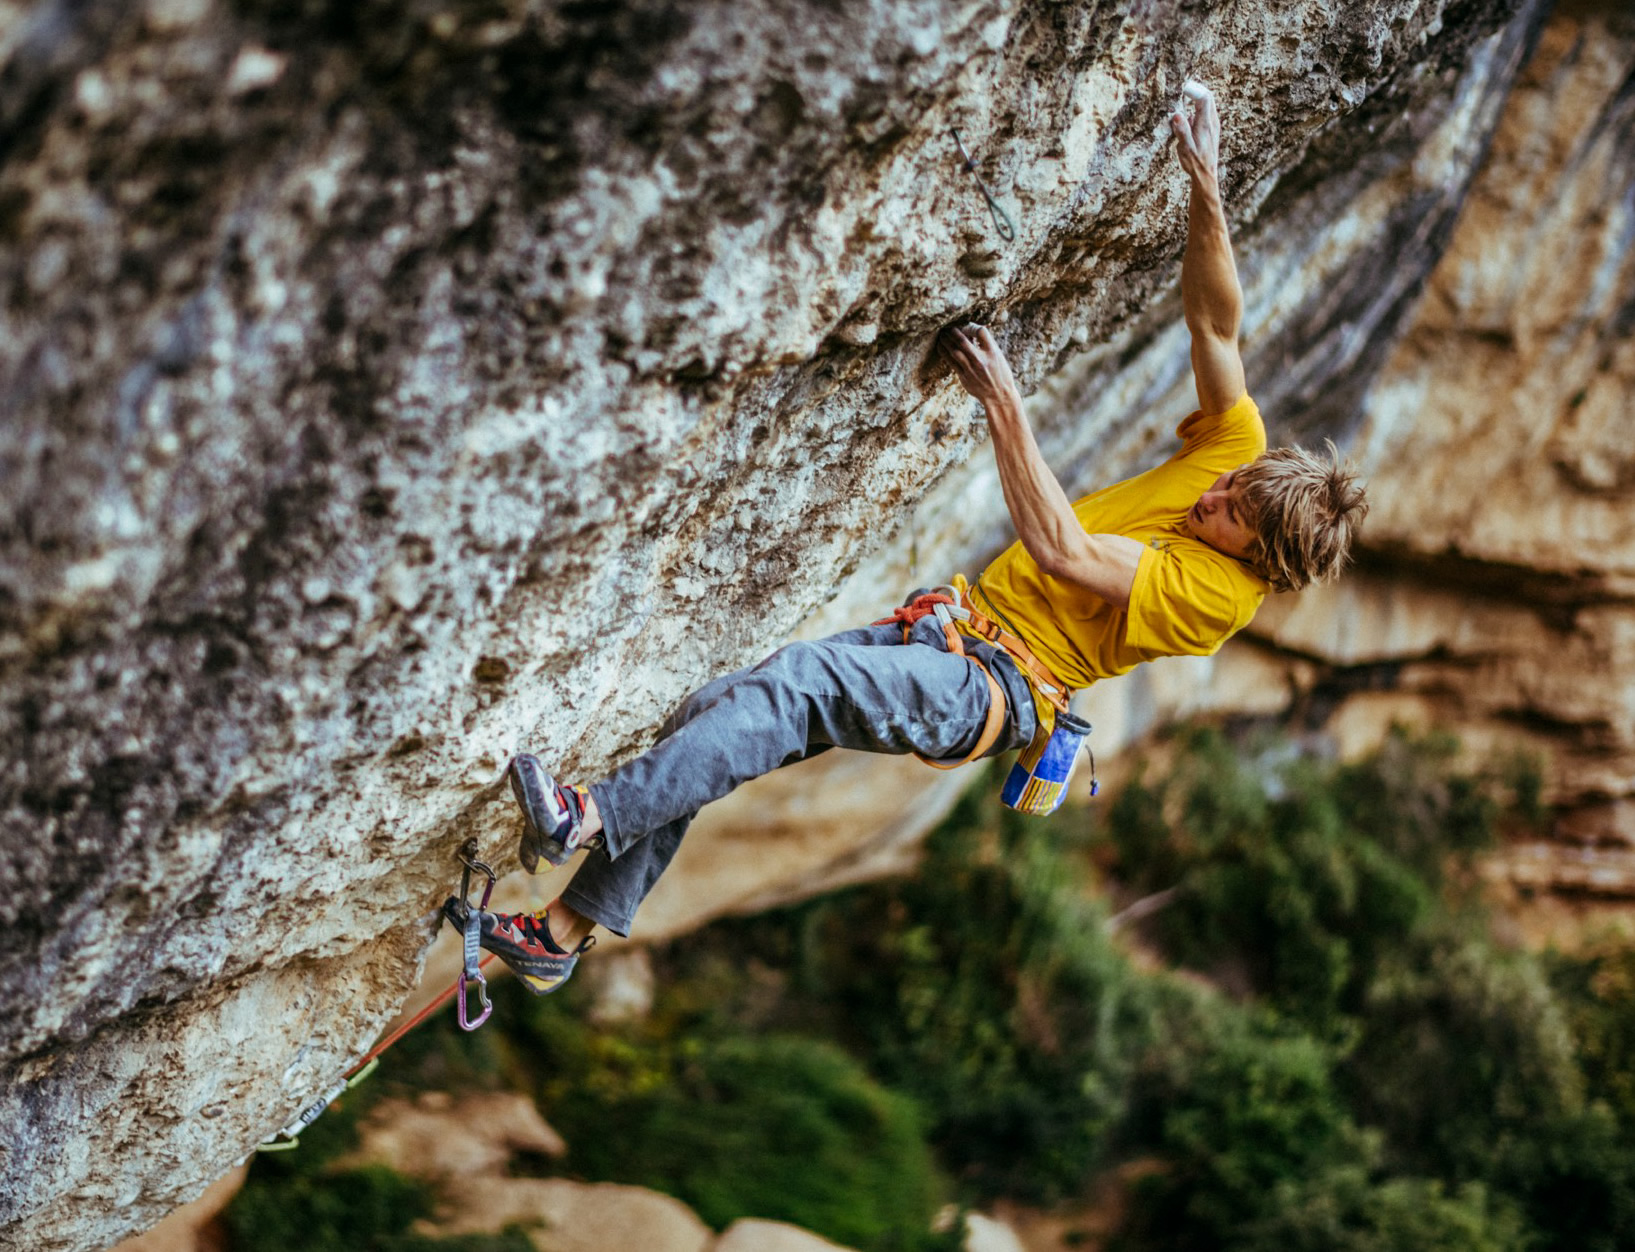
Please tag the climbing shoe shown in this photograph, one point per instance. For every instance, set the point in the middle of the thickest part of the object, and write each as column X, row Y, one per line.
column 523, row 941
column 553, row 814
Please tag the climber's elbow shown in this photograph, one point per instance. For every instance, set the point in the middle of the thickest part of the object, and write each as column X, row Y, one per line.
column 1102, row 564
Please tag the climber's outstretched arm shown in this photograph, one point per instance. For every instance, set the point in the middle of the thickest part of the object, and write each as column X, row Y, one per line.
column 1044, row 517
column 1210, row 295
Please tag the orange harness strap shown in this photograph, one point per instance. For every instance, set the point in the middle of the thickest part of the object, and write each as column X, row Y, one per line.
column 1043, row 681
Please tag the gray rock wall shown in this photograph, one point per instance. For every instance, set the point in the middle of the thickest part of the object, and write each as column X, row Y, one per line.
column 391, row 386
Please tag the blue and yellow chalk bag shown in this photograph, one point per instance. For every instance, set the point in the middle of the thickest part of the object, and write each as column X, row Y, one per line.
column 1038, row 781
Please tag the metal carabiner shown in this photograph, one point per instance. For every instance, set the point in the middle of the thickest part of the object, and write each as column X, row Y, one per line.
column 466, row 1023
column 472, row 970
column 468, row 858
column 289, row 1137
column 1001, row 219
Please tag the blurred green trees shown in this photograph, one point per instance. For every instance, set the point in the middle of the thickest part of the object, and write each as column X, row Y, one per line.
column 742, row 1125
column 1306, row 1038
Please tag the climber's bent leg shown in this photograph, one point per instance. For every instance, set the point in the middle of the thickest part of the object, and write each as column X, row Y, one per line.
column 832, row 692
column 607, row 894
column 846, row 691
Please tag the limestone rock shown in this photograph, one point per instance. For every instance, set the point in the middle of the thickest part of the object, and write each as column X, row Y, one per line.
column 436, row 1137
column 565, row 1216
column 989, row 1234
column 623, row 984
column 386, row 393
column 1499, row 592
column 195, row 1226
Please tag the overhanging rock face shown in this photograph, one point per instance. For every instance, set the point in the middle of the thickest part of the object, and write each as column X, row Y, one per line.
column 389, row 387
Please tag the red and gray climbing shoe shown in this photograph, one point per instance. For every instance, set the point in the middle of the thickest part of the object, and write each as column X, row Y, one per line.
column 554, row 815
column 523, row 941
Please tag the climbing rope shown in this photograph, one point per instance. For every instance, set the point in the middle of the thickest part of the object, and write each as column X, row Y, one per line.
column 471, row 970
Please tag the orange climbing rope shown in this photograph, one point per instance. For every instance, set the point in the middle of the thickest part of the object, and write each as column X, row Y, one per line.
column 374, row 1053
column 471, row 971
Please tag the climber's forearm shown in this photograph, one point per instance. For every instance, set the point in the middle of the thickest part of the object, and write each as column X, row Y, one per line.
column 1044, row 517
column 1212, row 299
column 1211, row 296
column 1038, row 506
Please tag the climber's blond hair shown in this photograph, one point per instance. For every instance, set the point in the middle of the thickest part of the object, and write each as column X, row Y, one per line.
column 1305, row 512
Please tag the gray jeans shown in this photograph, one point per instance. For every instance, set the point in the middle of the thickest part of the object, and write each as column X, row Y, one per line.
column 863, row 689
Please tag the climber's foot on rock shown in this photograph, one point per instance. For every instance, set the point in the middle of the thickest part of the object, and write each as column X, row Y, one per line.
column 524, row 942
column 554, row 816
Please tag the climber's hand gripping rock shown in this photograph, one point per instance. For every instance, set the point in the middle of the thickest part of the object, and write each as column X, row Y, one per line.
column 978, row 362
column 1198, row 138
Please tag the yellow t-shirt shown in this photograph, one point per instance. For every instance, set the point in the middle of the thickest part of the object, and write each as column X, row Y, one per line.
column 1187, row 600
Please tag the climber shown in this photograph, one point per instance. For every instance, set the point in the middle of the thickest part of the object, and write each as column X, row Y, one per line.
column 1169, row 563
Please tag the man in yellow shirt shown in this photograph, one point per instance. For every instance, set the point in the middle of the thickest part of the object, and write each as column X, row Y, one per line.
column 1175, row 561
column 1172, row 562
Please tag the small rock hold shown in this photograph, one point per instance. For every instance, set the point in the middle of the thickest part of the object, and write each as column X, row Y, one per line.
column 93, row 95
column 172, row 15
column 858, row 334
column 47, row 267
column 491, row 669
column 980, row 262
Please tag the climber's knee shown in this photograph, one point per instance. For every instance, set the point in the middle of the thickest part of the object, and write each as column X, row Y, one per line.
column 791, row 666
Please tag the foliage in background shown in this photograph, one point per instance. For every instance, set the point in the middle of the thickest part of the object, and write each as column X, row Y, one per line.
column 297, row 1200
column 1343, row 898
column 1341, row 1057
column 984, row 987
column 745, row 1125
column 1299, row 877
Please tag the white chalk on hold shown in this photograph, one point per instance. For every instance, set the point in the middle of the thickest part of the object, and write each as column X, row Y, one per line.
column 1192, row 89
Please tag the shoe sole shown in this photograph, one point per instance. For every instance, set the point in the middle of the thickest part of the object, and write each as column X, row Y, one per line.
column 536, row 843
column 544, row 986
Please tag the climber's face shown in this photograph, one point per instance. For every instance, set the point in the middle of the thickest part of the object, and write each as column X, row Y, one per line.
column 1221, row 520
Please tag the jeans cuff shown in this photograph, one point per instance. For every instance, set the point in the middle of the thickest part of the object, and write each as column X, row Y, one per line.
column 613, row 919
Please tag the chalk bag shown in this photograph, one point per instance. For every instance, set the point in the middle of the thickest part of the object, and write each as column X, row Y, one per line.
column 1038, row 781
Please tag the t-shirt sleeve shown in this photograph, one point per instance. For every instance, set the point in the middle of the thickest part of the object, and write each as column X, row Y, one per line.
column 1237, row 432
column 1187, row 603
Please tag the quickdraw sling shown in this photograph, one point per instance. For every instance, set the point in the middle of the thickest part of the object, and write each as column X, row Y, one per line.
column 471, row 974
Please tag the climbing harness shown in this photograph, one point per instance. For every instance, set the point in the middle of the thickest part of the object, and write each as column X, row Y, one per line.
column 471, row 970
column 944, row 608
column 951, row 605
column 1001, row 220
column 1037, row 784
